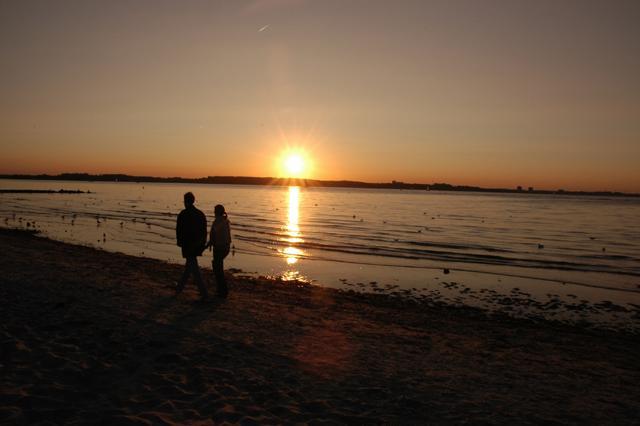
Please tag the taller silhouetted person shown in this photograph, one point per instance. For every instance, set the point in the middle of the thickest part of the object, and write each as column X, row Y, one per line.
column 191, row 235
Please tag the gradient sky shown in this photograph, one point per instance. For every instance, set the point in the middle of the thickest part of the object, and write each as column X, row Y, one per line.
column 489, row 93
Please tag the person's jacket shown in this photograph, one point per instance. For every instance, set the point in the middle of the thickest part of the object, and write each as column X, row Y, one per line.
column 191, row 231
column 220, row 235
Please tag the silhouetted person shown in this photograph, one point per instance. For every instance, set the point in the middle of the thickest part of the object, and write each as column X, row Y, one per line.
column 220, row 241
column 191, row 235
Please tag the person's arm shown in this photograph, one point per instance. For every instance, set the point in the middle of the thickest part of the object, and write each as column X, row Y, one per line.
column 203, row 230
column 228, row 231
column 179, row 230
column 211, row 236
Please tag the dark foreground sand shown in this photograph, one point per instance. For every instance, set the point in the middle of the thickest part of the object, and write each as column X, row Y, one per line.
column 89, row 337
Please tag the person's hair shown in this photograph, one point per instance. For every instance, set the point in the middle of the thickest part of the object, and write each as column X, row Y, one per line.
column 189, row 198
column 219, row 211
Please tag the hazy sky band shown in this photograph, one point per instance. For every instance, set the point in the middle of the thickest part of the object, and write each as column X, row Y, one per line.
column 542, row 94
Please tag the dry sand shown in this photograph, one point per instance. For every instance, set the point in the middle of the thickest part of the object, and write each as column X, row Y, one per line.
column 90, row 337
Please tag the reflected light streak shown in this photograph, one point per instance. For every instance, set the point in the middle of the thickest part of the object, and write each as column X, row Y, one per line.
column 294, row 212
column 292, row 229
column 292, row 254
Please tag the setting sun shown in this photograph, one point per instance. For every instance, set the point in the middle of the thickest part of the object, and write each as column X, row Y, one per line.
column 294, row 164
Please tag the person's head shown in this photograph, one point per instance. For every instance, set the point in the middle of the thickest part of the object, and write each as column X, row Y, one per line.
column 189, row 199
column 219, row 211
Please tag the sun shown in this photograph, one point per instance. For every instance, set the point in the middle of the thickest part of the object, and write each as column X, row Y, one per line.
column 294, row 165
column 294, row 162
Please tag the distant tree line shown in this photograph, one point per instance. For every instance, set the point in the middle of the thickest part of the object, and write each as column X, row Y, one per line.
column 249, row 180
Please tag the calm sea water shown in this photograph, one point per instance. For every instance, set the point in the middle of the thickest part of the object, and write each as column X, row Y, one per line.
column 543, row 246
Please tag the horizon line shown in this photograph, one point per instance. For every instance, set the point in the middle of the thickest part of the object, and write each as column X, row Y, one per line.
column 278, row 181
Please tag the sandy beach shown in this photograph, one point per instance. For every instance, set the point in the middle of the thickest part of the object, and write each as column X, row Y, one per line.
column 92, row 337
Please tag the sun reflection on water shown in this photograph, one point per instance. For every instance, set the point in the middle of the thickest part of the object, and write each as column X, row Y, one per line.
column 292, row 234
column 292, row 254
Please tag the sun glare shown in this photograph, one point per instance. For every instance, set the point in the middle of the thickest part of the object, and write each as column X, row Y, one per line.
column 294, row 162
column 294, row 165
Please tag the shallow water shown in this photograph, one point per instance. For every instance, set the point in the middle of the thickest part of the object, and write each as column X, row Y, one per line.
column 547, row 247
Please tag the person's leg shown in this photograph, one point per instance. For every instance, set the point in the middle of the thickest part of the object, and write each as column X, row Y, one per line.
column 198, row 278
column 218, row 271
column 185, row 276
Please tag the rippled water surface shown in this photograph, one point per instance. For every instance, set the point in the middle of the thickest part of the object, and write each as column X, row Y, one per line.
column 367, row 239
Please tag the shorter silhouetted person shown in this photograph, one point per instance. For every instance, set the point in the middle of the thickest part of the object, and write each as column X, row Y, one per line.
column 191, row 235
column 220, row 241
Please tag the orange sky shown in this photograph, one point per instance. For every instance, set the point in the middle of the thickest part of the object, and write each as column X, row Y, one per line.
column 493, row 93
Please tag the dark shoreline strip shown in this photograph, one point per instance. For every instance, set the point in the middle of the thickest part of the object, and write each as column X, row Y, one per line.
column 43, row 191
column 271, row 181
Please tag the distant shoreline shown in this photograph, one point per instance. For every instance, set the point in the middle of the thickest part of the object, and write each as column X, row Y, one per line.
column 42, row 191
column 248, row 180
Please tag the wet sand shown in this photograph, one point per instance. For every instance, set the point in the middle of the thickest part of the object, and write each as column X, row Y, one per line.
column 92, row 337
